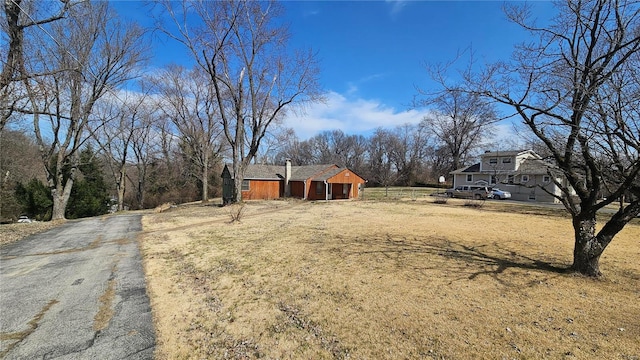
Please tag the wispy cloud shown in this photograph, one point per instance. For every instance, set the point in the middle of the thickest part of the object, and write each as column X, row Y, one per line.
column 309, row 13
column 396, row 6
column 354, row 86
column 352, row 116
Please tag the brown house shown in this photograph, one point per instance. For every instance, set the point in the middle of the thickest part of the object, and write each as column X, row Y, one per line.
column 312, row 182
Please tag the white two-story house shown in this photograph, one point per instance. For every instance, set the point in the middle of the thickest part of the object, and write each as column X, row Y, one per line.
column 522, row 173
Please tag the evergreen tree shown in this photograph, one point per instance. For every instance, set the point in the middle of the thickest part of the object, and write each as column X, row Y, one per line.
column 89, row 195
column 35, row 199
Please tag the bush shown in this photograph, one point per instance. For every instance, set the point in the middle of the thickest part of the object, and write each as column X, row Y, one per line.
column 236, row 212
column 440, row 199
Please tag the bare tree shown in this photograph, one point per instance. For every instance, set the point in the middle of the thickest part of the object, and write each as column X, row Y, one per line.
column 145, row 146
column 577, row 90
column 189, row 101
column 407, row 146
column 83, row 56
column 242, row 47
column 20, row 16
column 299, row 152
column 118, row 122
column 460, row 122
column 356, row 155
column 19, row 163
column 274, row 145
column 383, row 170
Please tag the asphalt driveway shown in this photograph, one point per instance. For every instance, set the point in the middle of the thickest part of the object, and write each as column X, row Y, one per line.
column 76, row 292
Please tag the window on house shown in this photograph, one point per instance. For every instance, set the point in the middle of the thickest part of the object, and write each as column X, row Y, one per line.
column 546, row 179
column 510, row 179
column 506, row 160
column 319, row 188
column 245, row 185
column 469, row 178
column 525, row 178
column 493, row 180
column 493, row 161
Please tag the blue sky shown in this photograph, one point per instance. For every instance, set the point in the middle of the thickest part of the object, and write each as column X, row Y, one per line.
column 372, row 54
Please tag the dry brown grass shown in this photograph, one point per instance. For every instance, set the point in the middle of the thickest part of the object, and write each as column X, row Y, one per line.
column 384, row 280
column 13, row 232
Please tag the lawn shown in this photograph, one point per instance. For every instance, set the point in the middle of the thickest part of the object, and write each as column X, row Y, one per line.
column 385, row 280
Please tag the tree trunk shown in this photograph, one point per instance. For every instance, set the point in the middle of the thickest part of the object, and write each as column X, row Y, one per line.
column 205, row 179
column 587, row 248
column 237, row 187
column 140, row 194
column 238, row 168
column 60, row 199
column 121, row 187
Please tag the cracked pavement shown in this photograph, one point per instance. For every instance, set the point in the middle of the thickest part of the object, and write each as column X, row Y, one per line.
column 76, row 292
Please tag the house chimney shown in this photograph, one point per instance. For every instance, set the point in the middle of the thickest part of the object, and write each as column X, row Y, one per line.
column 287, row 177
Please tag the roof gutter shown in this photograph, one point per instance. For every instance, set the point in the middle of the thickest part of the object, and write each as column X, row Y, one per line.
column 304, row 192
column 326, row 191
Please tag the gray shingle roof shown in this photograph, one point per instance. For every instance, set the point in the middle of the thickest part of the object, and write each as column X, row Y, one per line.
column 534, row 167
column 508, row 153
column 469, row 169
column 264, row 172
column 325, row 176
column 301, row 173
column 298, row 173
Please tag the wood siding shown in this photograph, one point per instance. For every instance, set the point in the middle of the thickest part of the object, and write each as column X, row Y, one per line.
column 263, row 190
column 346, row 177
column 312, row 191
column 297, row 189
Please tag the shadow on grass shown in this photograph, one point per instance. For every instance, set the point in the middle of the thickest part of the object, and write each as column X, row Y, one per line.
column 460, row 260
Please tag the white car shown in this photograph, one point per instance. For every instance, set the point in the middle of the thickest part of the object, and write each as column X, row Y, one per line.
column 500, row 194
column 24, row 219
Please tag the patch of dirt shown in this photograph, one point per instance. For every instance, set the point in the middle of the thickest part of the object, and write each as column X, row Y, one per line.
column 105, row 312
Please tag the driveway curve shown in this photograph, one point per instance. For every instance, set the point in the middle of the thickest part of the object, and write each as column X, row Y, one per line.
column 76, row 292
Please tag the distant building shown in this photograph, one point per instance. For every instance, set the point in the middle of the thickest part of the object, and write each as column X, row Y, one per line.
column 522, row 173
column 310, row 182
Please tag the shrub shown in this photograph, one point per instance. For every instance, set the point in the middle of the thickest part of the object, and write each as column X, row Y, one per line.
column 236, row 212
column 440, row 200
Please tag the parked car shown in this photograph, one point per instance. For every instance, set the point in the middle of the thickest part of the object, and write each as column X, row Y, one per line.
column 500, row 194
column 24, row 219
column 469, row 192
